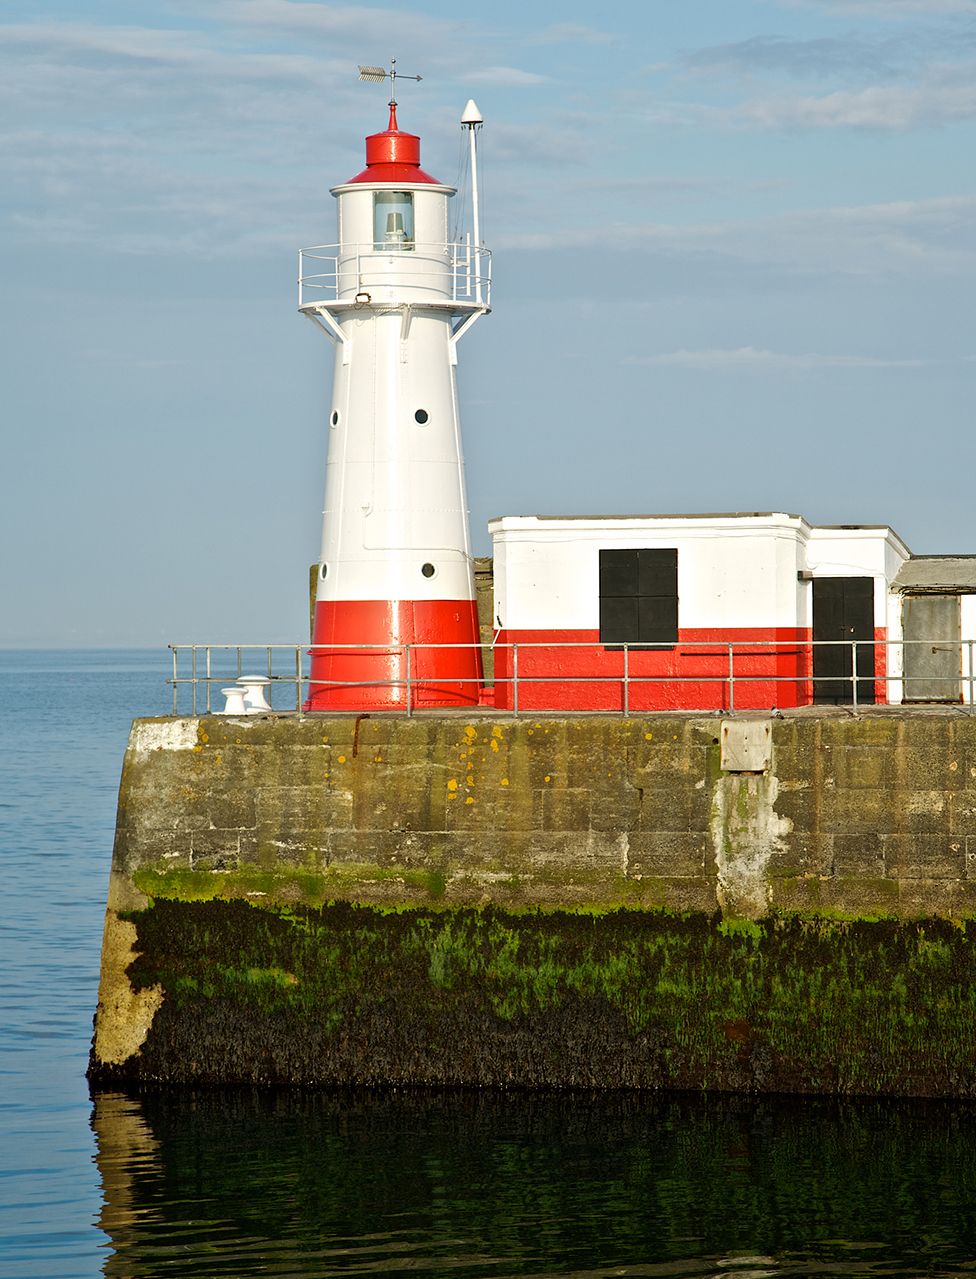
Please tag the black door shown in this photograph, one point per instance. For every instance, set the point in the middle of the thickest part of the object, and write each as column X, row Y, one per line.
column 843, row 609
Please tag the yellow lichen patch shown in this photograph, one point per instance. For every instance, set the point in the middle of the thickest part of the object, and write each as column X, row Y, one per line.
column 469, row 800
column 547, row 778
column 470, row 733
column 504, row 781
column 452, row 784
column 648, row 737
column 124, row 1015
column 494, row 745
column 377, row 759
column 497, row 732
column 953, row 766
column 342, row 759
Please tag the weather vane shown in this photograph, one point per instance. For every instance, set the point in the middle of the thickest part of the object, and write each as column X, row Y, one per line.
column 376, row 75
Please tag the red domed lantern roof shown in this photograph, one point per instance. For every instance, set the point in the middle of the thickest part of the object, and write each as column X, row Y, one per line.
column 393, row 156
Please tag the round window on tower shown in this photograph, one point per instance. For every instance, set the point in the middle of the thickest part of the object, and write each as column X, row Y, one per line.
column 334, row 419
column 324, row 571
column 421, row 416
column 428, row 570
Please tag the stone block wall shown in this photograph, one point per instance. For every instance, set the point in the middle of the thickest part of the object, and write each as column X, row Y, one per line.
column 493, row 895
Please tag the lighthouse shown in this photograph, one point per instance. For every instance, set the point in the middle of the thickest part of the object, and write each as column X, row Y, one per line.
column 395, row 623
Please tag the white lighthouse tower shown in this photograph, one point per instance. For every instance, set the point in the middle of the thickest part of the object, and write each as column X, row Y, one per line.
column 395, row 612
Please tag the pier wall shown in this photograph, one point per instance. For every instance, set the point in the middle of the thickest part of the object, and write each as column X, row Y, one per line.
column 587, row 901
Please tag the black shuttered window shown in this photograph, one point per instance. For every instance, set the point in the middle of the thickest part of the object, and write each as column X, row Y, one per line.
column 639, row 596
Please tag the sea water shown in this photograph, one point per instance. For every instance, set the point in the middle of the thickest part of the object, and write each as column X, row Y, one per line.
column 242, row 1182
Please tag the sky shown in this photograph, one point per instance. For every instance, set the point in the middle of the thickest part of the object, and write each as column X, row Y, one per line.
column 734, row 263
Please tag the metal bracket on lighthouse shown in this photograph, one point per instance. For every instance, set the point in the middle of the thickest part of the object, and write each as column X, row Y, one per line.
column 327, row 324
column 473, row 316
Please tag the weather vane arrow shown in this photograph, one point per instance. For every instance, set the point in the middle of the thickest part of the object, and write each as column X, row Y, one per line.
column 376, row 75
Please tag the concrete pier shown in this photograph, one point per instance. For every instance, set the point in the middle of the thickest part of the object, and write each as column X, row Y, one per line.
column 664, row 901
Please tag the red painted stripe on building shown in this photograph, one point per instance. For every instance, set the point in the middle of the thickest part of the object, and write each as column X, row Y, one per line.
column 693, row 675
column 359, row 655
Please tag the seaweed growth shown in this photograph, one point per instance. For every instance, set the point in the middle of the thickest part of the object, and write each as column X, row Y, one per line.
column 645, row 999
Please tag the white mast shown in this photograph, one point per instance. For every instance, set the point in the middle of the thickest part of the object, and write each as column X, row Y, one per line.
column 472, row 119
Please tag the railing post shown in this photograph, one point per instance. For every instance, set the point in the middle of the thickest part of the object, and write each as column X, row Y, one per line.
column 176, row 687
column 731, row 677
column 970, row 643
column 409, row 684
column 193, row 675
column 209, row 669
column 298, row 678
column 626, row 679
column 515, row 699
column 854, row 674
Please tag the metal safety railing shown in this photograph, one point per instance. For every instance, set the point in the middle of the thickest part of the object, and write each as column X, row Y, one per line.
column 456, row 272
column 531, row 676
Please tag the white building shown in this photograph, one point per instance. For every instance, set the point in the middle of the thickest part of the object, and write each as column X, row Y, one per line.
column 723, row 612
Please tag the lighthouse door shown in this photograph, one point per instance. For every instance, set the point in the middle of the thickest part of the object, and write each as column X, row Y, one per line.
column 933, row 648
column 843, row 612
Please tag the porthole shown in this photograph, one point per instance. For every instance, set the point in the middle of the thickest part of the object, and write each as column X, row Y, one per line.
column 324, row 571
column 421, row 416
column 428, row 570
column 334, row 419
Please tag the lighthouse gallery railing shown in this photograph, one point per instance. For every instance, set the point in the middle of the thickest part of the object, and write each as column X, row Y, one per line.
column 201, row 670
column 458, row 272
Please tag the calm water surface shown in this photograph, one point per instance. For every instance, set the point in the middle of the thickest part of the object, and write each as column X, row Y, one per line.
column 297, row 1184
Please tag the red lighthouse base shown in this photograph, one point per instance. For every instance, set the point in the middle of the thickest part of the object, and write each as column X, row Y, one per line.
column 388, row 655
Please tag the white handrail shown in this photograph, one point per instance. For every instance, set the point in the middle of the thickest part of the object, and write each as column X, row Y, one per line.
column 621, row 658
column 459, row 269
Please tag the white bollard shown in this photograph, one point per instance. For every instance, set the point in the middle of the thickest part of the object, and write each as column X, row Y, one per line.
column 234, row 703
column 255, row 701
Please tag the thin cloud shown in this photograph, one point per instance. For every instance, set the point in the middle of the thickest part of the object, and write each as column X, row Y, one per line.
column 756, row 359
column 907, row 237
column 854, row 54
column 891, row 109
column 405, row 28
column 574, row 33
column 506, row 77
column 105, row 51
column 886, row 8
column 826, row 56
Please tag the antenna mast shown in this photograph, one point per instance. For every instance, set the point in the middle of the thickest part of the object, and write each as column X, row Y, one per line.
column 472, row 120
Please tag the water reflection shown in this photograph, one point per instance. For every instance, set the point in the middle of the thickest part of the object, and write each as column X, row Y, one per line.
column 469, row 1184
